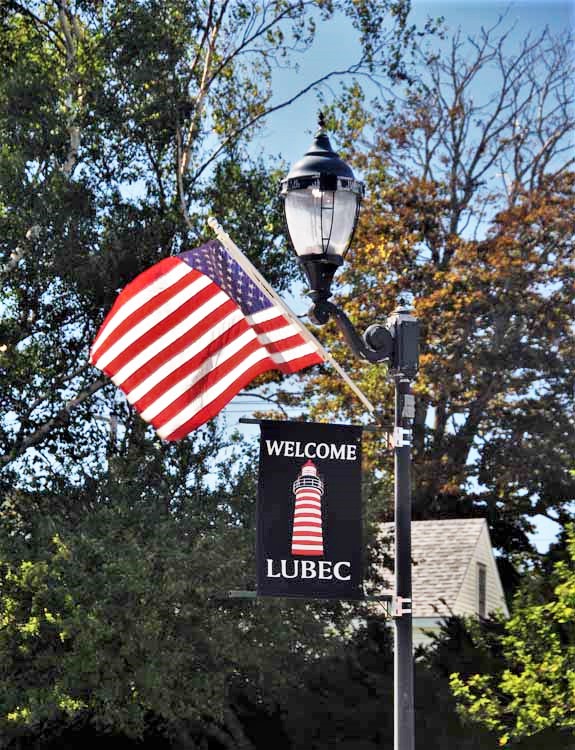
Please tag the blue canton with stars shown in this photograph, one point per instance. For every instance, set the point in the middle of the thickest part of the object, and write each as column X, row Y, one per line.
column 213, row 260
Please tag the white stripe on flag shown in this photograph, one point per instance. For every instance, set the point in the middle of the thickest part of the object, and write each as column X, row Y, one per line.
column 170, row 337
column 144, row 295
column 295, row 353
column 141, row 328
column 211, row 394
column 270, row 337
column 308, row 546
column 262, row 316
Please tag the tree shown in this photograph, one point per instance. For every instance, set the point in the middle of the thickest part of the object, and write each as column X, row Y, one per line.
column 114, row 614
column 112, row 117
column 469, row 193
column 535, row 691
column 351, row 692
column 119, row 123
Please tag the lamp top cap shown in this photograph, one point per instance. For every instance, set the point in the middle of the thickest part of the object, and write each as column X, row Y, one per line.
column 320, row 158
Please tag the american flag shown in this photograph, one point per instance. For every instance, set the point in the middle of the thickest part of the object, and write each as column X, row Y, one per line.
column 189, row 333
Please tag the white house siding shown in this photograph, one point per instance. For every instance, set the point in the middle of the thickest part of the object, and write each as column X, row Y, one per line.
column 422, row 629
column 468, row 597
column 441, row 553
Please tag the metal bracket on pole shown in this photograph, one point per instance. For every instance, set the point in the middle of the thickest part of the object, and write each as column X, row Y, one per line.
column 242, row 594
column 401, row 606
column 386, row 599
column 402, row 437
column 408, row 411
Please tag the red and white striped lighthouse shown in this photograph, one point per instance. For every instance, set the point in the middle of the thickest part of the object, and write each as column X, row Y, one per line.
column 307, row 536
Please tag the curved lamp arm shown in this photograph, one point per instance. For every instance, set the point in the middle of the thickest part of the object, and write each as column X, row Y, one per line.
column 375, row 345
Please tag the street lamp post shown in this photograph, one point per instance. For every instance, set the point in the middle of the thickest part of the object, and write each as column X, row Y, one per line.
column 322, row 200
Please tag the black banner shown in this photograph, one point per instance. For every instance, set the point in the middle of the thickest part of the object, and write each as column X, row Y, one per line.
column 309, row 519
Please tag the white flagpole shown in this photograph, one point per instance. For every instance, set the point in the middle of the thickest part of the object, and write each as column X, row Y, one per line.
column 256, row 276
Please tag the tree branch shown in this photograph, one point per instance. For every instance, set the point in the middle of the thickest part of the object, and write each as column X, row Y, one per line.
column 40, row 434
column 286, row 103
column 19, row 8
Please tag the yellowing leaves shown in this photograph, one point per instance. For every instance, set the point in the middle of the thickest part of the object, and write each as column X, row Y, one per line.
column 31, row 627
column 21, row 714
column 536, row 690
column 70, row 705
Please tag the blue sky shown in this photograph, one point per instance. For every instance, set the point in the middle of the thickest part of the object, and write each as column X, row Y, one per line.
column 288, row 131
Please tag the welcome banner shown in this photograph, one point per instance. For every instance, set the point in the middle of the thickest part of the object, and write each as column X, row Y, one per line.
column 309, row 514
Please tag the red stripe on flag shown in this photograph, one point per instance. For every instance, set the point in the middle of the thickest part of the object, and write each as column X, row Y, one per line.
column 215, row 406
column 174, row 348
column 148, row 308
column 298, row 364
column 276, row 347
column 189, row 367
column 280, row 321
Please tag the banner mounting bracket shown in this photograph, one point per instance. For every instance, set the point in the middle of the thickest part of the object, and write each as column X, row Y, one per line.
column 395, row 606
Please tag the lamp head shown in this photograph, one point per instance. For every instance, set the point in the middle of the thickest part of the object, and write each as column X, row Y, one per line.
column 321, row 200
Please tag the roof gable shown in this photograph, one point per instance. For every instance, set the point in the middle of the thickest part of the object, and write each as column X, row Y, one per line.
column 442, row 551
column 468, row 596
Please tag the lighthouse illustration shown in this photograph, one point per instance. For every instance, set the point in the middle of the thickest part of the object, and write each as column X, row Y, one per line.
column 307, row 536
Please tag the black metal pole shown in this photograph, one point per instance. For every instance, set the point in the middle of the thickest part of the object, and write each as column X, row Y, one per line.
column 404, row 732
column 397, row 342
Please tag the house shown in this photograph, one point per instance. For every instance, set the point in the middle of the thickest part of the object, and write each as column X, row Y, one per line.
column 453, row 572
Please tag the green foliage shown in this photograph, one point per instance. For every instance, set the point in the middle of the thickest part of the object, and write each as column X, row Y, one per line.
column 347, row 699
column 238, row 191
column 535, row 690
column 116, row 612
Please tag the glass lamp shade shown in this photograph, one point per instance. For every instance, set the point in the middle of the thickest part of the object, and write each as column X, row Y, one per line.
column 321, row 200
column 321, row 222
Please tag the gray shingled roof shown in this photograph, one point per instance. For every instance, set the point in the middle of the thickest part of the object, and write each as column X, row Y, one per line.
column 441, row 552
